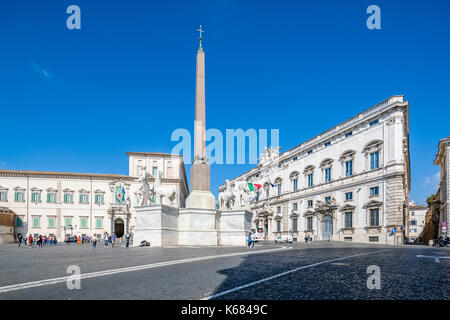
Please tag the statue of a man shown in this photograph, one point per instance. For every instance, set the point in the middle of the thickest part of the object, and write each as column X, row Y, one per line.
column 144, row 190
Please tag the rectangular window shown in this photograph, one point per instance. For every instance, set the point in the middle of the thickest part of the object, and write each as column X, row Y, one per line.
column 99, row 223
column 294, row 206
column 309, row 152
column 36, row 222
column 51, row 197
column 310, row 203
column 348, row 134
column 99, row 199
column 327, row 199
column 278, row 209
column 295, row 184
column 279, row 189
column 3, row 195
column 373, row 239
column 84, row 198
column 348, row 239
column 309, row 223
column 154, row 171
column 374, row 217
column 19, row 222
column 349, row 196
column 51, row 222
column 348, row 220
column 83, row 223
column 18, row 196
column 35, row 197
column 327, row 143
column 349, row 168
column 413, row 222
column 374, row 160
column 267, row 193
column 68, row 198
column 294, row 224
column 294, row 159
column 374, row 122
column 327, row 174
column 310, row 180
column 374, row 191
column 68, row 221
column 278, row 225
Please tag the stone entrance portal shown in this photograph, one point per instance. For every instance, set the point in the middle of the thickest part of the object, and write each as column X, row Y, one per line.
column 119, row 227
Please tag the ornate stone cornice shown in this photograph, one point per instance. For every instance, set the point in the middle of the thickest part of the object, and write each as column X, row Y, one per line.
column 62, row 175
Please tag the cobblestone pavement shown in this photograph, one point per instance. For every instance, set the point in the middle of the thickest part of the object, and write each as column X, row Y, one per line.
column 322, row 270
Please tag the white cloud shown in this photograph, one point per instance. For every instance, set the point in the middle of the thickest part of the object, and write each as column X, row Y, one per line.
column 39, row 69
column 432, row 181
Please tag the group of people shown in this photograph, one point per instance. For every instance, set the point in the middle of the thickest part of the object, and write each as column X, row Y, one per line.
column 39, row 241
column 78, row 239
column 308, row 238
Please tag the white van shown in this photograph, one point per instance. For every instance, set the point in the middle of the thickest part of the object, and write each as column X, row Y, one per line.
column 285, row 238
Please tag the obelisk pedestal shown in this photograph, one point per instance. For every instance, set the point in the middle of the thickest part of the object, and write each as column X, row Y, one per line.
column 200, row 196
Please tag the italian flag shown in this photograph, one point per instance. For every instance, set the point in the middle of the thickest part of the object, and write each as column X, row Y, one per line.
column 252, row 186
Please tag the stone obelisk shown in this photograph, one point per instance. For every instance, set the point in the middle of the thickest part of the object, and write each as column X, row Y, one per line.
column 200, row 196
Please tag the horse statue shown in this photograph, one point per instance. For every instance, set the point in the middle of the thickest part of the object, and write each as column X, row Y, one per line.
column 144, row 189
column 163, row 191
column 225, row 197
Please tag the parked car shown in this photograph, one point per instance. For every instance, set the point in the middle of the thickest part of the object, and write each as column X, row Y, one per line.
column 285, row 238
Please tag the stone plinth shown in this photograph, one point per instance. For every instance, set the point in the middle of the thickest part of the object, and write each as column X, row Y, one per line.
column 198, row 227
column 156, row 224
column 235, row 227
column 200, row 176
column 201, row 200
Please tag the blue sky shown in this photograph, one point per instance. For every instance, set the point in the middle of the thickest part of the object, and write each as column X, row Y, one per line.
column 77, row 100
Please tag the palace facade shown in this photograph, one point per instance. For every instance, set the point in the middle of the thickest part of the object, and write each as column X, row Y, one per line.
column 349, row 183
column 443, row 161
column 61, row 203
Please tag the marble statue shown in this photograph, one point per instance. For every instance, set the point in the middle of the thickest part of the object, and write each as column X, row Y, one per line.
column 163, row 191
column 269, row 156
column 226, row 197
column 144, row 191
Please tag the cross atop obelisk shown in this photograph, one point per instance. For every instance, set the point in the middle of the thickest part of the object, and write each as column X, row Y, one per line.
column 200, row 38
column 200, row 196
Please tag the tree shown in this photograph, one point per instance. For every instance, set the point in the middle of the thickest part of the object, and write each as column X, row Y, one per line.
column 430, row 200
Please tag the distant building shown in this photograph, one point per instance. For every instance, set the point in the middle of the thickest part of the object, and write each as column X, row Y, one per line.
column 443, row 160
column 63, row 203
column 416, row 215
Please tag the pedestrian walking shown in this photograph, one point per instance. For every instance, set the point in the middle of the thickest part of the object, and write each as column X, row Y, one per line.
column 127, row 237
column 113, row 239
column 249, row 240
column 30, row 241
column 19, row 238
column 94, row 241
column 106, row 239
